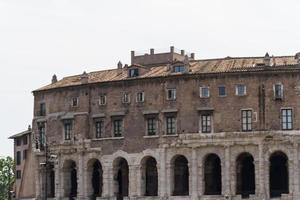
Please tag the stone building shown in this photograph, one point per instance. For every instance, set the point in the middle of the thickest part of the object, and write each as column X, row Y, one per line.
column 170, row 126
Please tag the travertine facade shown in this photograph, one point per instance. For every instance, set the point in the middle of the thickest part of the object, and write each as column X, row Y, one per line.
column 171, row 127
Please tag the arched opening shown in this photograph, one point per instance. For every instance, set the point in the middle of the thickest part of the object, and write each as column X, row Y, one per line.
column 181, row 176
column 70, row 179
column 149, row 176
column 95, row 173
column 245, row 175
column 51, row 181
column 279, row 178
column 212, row 175
column 121, row 178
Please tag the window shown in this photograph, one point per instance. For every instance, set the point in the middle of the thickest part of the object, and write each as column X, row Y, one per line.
column 204, row 92
column 179, row 68
column 240, row 90
column 140, row 97
column 126, row 98
column 25, row 140
column 68, row 126
column 171, row 94
column 75, row 101
column 287, row 119
column 133, row 72
column 171, row 125
column 117, row 127
column 24, row 154
column 222, row 91
column 151, row 126
column 18, row 174
column 42, row 130
column 206, row 123
column 18, row 157
column 42, row 109
column 278, row 91
column 246, row 120
column 18, row 141
column 99, row 125
column 102, row 100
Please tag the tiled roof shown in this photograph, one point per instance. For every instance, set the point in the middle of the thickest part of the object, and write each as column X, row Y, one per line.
column 20, row 134
column 223, row 65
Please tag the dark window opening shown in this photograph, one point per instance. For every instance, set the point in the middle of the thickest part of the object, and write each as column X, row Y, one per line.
column 151, row 126
column 25, row 140
column 279, row 178
column 18, row 157
column 97, row 180
column 75, row 101
column 206, row 123
column 133, row 72
column 212, row 175
column 68, row 126
column 42, row 109
column 278, row 91
column 171, row 125
column 181, row 177
column 286, row 119
column 246, row 120
column 51, row 182
column 18, row 141
column 151, row 177
column 18, row 174
column 245, row 170
column 99, row 125
column 73, row 190
column 171, row 94
column 42, row 132
column 122, row 179
column 117, row 127
column 179, row 68
column 222, row 91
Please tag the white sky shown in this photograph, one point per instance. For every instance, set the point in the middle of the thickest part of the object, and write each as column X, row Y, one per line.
column 41, row 37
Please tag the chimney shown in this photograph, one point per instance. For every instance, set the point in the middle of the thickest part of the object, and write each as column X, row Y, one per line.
column 193, row 56
column 182, row 52
column 267, row 59
column 171, row 49
column 132, row 57
column 54, row 79
column 151, row 51
column 84, row 78
column 120, row 65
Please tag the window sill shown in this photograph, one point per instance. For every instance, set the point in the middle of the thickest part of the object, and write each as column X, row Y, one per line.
column 108, row 138
column 151, row 136
column 174, row 135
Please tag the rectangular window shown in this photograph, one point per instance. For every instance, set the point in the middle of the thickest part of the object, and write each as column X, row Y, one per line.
column 171, row 94
column 286, row 119
column 240, row 90
column 102, row 100
column 42, row 109
column 140, row 97
column 68, row 126
column 151, row 126
column 25, row 140
column 126, row 98
column 246, row 120
column 75, row 101
column 24, row 154
column 42, row 132
column 133, row 72
column 18, row 162
column 18, row 141
column 99, row 126
column 206, row 123
column 179, row 68
column 18, row 174
column 278, row 91
column 171, row 125
column 204, row 92
column 117, row 127
column 222, row 91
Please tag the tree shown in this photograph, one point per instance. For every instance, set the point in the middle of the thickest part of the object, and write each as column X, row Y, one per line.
column 6, row 177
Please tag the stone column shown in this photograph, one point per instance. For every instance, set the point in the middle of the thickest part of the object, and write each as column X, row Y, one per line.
column 107, row 179
column 133, row 170
column 194, row 175
column 262, row 184
column 38, row 182
column 227, row 178
column 162, row 173
column 296, row 169
column 169, row 179
column 80, row 176
column 58, row 183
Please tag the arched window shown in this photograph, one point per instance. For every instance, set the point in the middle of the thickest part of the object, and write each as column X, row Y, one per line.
column 245, row 175
column 212, row 175
column 70, row 179
column 279, row 178
column 95, row 178
column 149, row 176
column 181, row 176
column 121, row 172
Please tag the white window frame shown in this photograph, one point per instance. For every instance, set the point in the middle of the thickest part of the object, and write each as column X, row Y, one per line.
column 281, row 119
column 237, row 90
column 252, row 119
column 100, row 100
column 173, row 96
column 155, row 118
column 128, row 98
column 211, row 123
column 166, row 124
column 138, row 99
column 113, row 127
column 72, row 102
column 281, row 91
column 219, row 91
column 201, row 92
column 180, row 67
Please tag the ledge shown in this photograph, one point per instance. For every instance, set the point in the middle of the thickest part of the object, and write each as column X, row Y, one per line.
column 175, row 135
column 119, row 113
column 151, row 136
column 205, row 109
column 108, row 138
column 99, row 115
column 174, row 110
column 150, row 112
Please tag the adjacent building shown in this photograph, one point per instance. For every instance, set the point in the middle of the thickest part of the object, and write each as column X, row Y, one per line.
column 169, row 126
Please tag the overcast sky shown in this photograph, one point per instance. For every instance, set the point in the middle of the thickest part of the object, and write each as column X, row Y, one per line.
column 66, row 37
